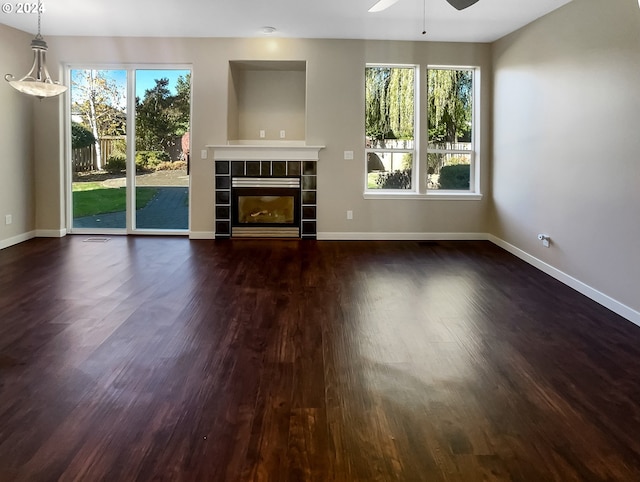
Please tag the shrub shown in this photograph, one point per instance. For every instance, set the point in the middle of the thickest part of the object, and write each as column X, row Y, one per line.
column 171, row 166
column 455, row 177
column 149, row 160
column 81, row 136
column 394, row 179
column 116, row 163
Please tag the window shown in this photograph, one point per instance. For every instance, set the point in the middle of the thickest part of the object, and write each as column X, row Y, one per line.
column 390, row 112
column 451, row 158
column 397, row 164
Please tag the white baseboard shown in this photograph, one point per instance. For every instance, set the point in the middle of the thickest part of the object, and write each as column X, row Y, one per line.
column 605, row 300
column 51, row 233
column 202, row 235
column 21, row 238
column 342, row 236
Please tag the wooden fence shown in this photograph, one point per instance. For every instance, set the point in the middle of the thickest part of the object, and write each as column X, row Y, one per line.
column 84, row 158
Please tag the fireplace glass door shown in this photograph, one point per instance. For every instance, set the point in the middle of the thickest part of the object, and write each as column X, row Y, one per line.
column 265, row 211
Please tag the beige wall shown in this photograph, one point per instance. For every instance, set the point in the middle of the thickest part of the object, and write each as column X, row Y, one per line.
column 271, row 101
column 566, row 143
column 335, row 113
column 16, row 139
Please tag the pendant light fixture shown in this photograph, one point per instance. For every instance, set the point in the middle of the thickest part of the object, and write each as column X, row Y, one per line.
column 37, row 82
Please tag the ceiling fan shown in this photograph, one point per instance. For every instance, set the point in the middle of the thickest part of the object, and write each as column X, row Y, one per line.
column 458, row 4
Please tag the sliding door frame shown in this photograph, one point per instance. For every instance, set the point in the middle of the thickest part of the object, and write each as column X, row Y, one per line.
column 131, row 149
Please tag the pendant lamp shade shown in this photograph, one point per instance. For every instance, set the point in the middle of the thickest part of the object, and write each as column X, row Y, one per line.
column 37, row 82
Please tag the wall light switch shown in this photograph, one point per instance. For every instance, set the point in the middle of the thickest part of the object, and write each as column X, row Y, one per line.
column 203, row 154
column 349, row 214
column 348, row 155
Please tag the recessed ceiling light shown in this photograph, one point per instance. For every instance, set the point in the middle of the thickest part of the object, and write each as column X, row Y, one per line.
column 268, row 30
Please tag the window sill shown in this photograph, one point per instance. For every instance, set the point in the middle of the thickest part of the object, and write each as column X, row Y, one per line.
column 434, row 196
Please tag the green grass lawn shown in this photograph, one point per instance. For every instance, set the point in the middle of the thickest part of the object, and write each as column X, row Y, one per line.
column 91, row 198
column 371, row 180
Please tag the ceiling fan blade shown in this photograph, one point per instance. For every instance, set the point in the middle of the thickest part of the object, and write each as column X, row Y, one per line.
column 461, row 4
column 383, row 5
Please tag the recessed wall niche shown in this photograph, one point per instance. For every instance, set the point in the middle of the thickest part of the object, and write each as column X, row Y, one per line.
column 267, row 96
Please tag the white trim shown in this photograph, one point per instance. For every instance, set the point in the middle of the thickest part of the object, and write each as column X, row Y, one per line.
column 398, row 194
column 21, row 238
column 265, row 152
column 352, row 236
column 605, row 300
column 202, row 235
column 51, row 233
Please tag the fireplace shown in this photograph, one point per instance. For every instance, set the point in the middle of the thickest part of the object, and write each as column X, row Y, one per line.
column 265, row 207
column 264, row 181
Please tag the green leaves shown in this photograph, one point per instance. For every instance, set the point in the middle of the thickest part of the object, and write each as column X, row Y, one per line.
column 389, row 103
column 81, row 136
column 449, row 105
column 161, row 116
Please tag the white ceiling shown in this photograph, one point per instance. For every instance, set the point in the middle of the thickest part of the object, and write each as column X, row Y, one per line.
column 486, row 21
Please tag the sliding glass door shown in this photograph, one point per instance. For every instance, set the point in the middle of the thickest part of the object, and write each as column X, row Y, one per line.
column 98, row 149
column 129, row 150
column 162, row 115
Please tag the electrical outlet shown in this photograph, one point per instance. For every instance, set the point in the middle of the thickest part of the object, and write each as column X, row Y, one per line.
column 349, row 214
column 283, row 134
column 262, row 134
column 8, row 219
column 546, row 240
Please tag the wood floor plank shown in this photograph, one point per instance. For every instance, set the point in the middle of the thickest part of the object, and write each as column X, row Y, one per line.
column 150, row 358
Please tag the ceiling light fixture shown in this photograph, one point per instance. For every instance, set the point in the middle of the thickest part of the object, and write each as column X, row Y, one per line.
column 37, row 82
column 268, row 30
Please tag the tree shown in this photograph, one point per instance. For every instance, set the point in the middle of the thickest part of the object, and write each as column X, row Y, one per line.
column 449, row 105
column 99, row 101
column 389, row 104
column 161, row 117
column 183, row 103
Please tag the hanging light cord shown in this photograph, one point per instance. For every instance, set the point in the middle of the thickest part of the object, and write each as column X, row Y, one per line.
column 424, row 17
column 38, row 36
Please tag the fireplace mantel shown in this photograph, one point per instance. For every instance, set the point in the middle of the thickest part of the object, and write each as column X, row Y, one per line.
column 265, row 151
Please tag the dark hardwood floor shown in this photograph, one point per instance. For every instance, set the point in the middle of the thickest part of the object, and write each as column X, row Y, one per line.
column 167, row 359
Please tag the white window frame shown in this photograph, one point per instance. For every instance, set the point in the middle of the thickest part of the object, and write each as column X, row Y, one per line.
column 415, row 177
column 474, row 168
column 419, row 180
column 130, row 69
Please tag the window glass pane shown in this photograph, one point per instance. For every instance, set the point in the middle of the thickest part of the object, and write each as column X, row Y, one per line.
column 450, row 108
column 389, row 170
column 389, row 107
column 98, row 148
column 162, row 112
column 448, row 171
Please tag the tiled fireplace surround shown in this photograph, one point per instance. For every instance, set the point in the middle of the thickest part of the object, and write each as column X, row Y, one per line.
column 226, row 170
